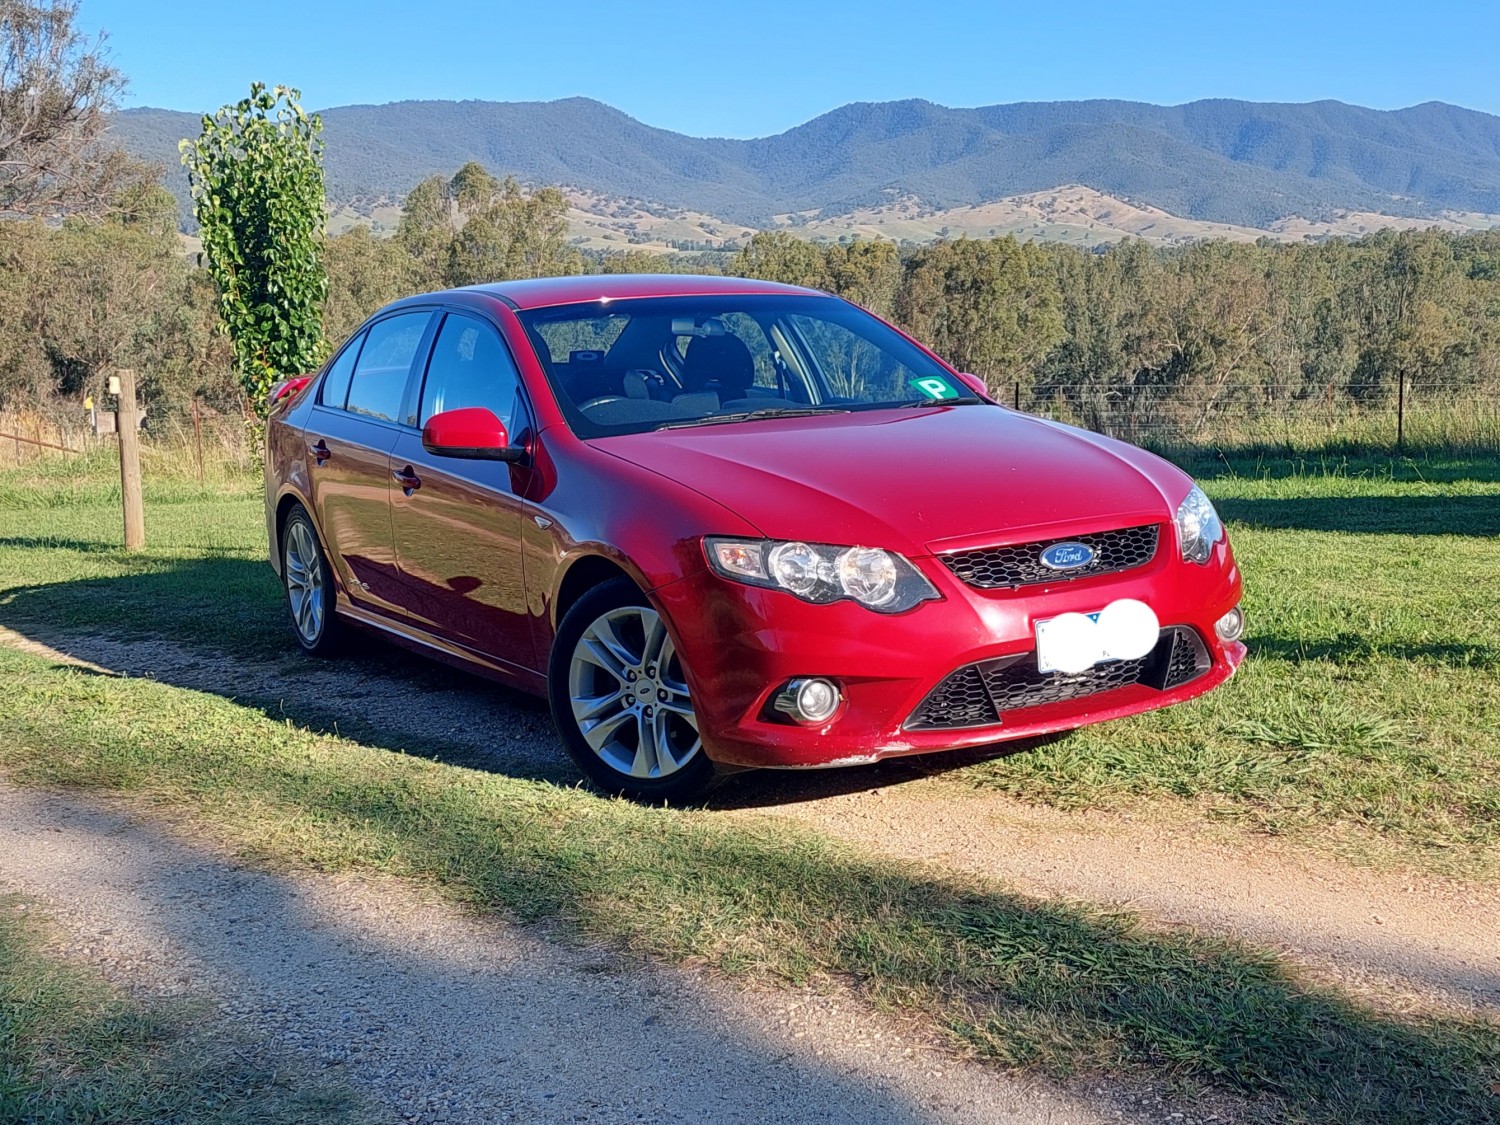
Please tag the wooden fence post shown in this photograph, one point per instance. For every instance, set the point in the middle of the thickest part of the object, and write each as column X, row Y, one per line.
column 128, row 420
column 1401, row 409
column 198, row 437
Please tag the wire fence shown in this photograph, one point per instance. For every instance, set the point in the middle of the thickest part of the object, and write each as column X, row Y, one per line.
column 205, row 435
column 1417, row 417
column 1420, row 417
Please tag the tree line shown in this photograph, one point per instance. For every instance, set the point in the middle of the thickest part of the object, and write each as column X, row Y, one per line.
column 1195, row 334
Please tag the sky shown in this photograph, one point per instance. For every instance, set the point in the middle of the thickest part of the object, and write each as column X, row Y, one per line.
column 756, row 68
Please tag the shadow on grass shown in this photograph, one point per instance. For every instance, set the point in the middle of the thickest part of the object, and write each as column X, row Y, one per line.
column 219, row 625
column 57, row 543
column 1057, row 988
column 1371, row 515
column 1349, row 648
column 1271, row 462
column 1054, row 987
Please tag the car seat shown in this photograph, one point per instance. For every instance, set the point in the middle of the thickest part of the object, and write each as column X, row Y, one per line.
column 720, row 364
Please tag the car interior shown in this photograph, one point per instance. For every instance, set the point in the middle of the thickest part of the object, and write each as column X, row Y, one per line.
column 658, row 368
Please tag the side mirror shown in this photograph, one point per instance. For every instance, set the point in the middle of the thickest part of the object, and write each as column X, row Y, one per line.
column 976, row 384
column 471, row 432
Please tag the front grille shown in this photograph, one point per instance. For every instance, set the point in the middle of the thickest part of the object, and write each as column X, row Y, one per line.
column 1020, row 564
column 980, row 695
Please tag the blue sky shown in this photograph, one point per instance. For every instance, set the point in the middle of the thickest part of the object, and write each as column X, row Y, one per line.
column 751, row 69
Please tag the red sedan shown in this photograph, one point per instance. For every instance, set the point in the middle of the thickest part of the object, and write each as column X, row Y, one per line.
column 725, row 523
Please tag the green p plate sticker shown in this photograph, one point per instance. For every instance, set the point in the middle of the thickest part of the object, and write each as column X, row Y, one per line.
column 934, row 387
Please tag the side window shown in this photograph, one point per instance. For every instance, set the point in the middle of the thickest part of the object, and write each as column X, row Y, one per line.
column 379, row 380
column 470, row 367
column 336, row 383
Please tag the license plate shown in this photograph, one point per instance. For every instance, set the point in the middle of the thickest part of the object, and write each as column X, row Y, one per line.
column 1075, row 642
column 1046, row 657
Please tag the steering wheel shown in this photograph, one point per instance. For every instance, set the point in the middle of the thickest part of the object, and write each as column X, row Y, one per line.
column 600, row 401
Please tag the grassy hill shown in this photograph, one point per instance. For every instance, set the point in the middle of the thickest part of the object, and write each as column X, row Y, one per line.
column 1243, row 164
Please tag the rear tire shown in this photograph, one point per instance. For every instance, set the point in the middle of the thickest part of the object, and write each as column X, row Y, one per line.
column 620, row 699
column 308, row 581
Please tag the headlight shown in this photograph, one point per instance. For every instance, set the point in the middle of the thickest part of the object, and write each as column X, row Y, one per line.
column 819, row 573
column 1198, row 526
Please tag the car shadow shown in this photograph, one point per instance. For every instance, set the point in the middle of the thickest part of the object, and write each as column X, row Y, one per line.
column 218, row 625
column 757, row 789
column 1370, row 515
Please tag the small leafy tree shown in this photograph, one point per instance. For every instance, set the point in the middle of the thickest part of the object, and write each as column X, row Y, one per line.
column 257, row 182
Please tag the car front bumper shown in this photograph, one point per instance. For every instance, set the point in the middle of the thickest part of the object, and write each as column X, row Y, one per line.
column 742, row 644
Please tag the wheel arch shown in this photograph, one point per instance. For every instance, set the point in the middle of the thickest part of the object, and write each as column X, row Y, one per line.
column 289, row 499
column 583, row 574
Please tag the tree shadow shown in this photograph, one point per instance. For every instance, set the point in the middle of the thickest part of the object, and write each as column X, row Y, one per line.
column 58, row 543
column 314, row 951
column 756, row 789
column 1434, row 466
column 1370, row 515
column 219, row 625
column 1350, row 648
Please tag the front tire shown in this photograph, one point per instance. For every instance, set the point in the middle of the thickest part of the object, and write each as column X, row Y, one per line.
column 308, row 581
column 620, row 699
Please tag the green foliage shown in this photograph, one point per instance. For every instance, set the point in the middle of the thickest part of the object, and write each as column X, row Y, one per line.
column 987, row 307
column 80, row 299
column 781, row 256
column 257, row 183
column 475, row 229
column 365, row 273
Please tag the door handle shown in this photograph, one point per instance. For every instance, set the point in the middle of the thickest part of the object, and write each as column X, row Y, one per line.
column 407, row 479
column 320, row 452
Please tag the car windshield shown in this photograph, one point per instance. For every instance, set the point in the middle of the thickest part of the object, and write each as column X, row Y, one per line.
column 634, row 365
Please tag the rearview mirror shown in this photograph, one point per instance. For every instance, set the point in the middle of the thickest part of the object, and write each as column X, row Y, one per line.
column 471, row 432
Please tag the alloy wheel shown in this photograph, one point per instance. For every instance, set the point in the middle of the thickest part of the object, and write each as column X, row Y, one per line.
column 629, row 697
column 304, row 581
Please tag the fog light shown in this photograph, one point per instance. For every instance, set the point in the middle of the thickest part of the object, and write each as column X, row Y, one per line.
column 1231, row 625
column 809, row 701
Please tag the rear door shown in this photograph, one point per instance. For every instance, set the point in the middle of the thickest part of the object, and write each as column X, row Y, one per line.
column 350, row 434
column 457, row 526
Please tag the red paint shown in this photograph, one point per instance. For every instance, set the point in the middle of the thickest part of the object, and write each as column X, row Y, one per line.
column 468, row 565
column 289, row 388
column 466, row 430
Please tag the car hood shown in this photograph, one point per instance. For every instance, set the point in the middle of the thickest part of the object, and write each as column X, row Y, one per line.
column 914, row 480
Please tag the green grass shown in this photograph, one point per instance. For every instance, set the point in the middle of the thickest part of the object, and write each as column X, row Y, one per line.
column 72, row 1050
column 1361, row 714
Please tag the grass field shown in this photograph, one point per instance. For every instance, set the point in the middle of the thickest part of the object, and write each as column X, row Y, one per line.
column 1367, row 721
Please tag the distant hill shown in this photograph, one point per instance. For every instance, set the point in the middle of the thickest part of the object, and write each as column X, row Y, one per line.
column 1245, row 164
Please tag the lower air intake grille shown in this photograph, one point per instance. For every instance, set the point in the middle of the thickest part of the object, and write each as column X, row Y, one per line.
column 979, row 695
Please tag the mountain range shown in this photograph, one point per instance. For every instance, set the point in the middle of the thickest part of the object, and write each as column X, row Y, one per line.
column 1217, row 161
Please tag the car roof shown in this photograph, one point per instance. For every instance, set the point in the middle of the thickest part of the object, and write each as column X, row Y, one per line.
column 542, row 292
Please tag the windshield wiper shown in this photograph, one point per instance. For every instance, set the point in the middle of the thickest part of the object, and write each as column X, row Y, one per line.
column 961, row 400
column 752, row 415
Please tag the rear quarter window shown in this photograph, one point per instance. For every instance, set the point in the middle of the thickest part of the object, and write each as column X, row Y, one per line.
column 335, row 390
